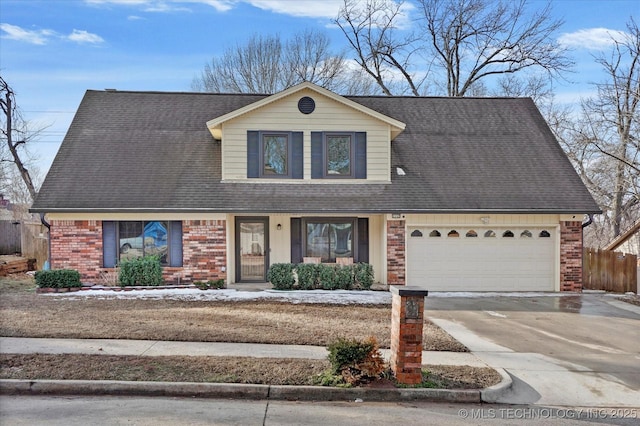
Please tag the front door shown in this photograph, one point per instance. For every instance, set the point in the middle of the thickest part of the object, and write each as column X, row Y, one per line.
column 252, row 249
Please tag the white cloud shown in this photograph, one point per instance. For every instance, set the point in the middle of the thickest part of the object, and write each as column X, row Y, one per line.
column 41, row 37
column 309, row 8
column 80, row 36
column 592, row 38
column 165, row 6
column 124, row 2
column 15, row 32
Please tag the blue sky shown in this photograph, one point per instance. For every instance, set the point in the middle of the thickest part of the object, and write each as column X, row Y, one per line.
column 52, row 51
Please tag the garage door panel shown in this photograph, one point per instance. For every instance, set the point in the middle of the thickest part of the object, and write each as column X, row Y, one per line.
column 482, row 264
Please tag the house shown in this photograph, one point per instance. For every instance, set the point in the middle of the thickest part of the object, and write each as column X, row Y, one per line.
column 470, row 194
column 628, row 241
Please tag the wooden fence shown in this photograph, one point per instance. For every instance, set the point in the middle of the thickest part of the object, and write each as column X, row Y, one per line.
column 35, row 242
column 609, row 270
column 10, row 232
column 27, row 239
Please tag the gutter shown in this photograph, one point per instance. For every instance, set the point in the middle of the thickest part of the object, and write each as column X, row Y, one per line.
column 589, row 221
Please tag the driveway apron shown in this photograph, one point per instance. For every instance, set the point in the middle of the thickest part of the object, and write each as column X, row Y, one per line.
column 563, row 350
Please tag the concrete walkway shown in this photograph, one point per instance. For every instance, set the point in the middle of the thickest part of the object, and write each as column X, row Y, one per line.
column 17, row 345
column 12, row 345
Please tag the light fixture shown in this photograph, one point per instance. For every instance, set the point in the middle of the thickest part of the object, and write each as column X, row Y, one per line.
column 278, row 227
column 485, row 219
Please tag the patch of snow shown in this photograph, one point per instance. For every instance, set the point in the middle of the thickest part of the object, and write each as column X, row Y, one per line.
column 495, row 314
column 335, row 297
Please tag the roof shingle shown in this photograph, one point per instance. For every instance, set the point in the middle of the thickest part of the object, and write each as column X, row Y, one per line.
column 152, row 151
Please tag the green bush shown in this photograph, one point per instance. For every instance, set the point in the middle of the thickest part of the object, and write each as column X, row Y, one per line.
column 344, row 277
column 281, row 276
column 58, row 278
column 219, row 283
column 307, row 276
column 327, row 276
column 209, row 284
column 310, row 276
column 356, row 361
column 363, row 276
column 141, row 271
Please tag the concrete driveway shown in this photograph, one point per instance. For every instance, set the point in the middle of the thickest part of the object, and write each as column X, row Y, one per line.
column 562, row 350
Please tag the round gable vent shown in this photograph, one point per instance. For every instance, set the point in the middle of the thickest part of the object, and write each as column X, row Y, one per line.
column 306, row 105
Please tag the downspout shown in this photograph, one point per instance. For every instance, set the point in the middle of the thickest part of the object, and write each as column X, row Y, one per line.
column 48, row 226
column 584, row 225
column 588, row 222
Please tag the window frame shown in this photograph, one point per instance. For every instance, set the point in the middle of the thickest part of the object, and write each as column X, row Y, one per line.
column 261, row 155
column 144, row 223
column 352, row 155
column 329, row 221
column 111, row 242
column 358, row 155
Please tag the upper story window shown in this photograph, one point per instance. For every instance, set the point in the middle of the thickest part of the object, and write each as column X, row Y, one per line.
column 336, row 155
column 272, row 154
column 275, row 155
column 339, row 155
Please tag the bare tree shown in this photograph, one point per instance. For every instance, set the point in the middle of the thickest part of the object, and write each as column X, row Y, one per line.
column 267, row 64
column 15, row 135
column 606, row 139
column 463, row 42
column 371, row 28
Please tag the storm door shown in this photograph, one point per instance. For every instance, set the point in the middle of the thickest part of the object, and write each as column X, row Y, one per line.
column 252, row 249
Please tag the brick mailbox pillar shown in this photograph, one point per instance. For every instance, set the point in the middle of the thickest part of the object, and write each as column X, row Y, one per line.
column 407, row 315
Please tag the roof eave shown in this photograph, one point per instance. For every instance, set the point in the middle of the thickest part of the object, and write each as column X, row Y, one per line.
column 314, row 211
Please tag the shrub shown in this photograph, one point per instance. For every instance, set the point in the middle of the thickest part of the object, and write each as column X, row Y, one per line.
column 281, row 276
column 209, row 284
column 356, row 361
column 363, row 276
column 307, row 276
column 344, row 277
column 141, row 271
column 219, row 283
column 58, row 278
column 327, row 276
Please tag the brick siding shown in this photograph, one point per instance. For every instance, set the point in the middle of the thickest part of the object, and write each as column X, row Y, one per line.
column 571, row 256
column 396, row 252
column 204, row 251
column 77, row 244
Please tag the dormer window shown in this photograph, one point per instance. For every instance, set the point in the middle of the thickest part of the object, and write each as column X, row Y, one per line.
column 339, row 155
column 336, row 155
column 273, row 154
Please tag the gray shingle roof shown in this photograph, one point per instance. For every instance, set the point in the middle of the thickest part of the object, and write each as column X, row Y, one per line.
column 151, row 151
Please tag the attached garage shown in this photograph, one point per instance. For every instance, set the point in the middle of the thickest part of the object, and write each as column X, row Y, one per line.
column 482, row 259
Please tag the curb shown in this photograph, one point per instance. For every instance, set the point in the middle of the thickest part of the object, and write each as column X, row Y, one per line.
column 497, row 392
column 232, row 390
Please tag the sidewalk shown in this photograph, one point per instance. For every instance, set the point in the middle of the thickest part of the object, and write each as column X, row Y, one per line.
column 220, row 390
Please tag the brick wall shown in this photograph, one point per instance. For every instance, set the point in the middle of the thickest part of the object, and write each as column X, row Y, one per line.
column 396, row 252
column 78, row 245
column 204, row 251
column 571, row 256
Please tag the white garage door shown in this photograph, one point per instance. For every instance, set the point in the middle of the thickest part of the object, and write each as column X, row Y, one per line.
column 497, row 259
